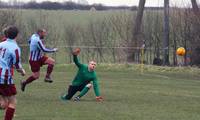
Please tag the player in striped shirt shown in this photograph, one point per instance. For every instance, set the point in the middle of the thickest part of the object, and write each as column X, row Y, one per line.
column 4, row 37
column 9, row 56
column 37, row 58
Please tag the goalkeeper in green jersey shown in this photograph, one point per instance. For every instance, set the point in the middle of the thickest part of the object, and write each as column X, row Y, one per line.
column 82, row 81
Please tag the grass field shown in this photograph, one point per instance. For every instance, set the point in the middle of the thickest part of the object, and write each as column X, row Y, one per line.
column 156, row 94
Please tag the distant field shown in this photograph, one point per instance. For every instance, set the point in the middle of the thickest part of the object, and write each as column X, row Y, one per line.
column 61, row 18
column 58, row 22
column 103, row 35
column 159, row 93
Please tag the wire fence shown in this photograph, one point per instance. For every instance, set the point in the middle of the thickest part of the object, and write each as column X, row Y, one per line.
column 110, row 55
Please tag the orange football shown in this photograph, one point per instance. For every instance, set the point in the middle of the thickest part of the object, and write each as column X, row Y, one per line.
column 180, row 51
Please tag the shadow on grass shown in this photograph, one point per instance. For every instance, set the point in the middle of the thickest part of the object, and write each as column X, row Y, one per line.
column 93, row 100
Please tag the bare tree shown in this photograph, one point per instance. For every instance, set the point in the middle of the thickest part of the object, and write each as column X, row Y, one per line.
column 166, row 33
column 8, row 17
column 70, row 38
column 121, row 25
column 99, row 35
column 152, row 35
column 136, row 38
column 195, row 6
column 195, row 33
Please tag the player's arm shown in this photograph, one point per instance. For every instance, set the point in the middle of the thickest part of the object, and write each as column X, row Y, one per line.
column 17, row 62
column 44, row 49
column 96, row 90
column 29, row 41
column 75, row 58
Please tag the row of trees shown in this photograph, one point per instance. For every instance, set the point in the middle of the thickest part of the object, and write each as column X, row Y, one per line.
column 68, row 5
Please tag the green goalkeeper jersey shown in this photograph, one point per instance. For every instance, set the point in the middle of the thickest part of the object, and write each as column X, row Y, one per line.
column 84, row 75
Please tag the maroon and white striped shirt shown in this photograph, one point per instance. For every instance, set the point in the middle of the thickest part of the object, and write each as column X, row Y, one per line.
column 37, row 48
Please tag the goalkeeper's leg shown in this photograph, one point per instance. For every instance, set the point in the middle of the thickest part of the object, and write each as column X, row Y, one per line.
column 83, row 91
column 71, row 91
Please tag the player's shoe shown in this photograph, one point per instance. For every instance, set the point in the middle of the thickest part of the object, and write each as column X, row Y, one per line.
column 76, row 99
column 23, row 85
column 63, row 97
column 48, row 79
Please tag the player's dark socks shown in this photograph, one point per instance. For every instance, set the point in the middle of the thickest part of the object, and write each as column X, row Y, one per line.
column 27, row 81
column 49, row 70
column 23, row 85
column 9, row 113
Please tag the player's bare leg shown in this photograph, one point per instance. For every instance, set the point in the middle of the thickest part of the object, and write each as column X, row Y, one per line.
column 3, row 102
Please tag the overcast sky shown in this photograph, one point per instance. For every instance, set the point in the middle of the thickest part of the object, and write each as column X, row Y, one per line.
column 182, row 3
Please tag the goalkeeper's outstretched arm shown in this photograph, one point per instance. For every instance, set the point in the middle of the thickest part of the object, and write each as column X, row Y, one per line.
column 75, row 53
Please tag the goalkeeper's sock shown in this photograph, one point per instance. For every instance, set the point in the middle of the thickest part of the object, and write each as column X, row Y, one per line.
column 83, row 92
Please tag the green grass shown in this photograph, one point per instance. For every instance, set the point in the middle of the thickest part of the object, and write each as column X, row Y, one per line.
column 159, row 93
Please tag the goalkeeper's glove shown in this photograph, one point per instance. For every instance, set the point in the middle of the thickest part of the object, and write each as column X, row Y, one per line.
column 99, row 98
column 76, row 51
